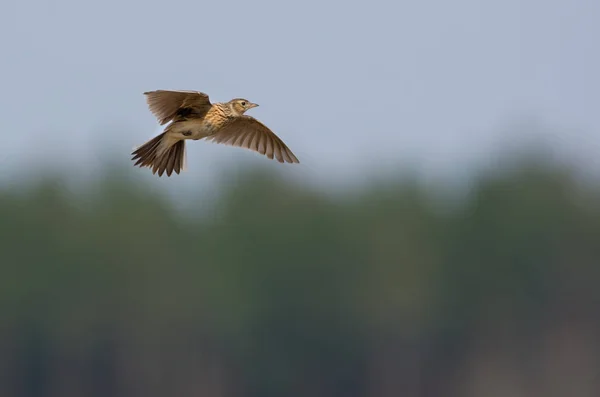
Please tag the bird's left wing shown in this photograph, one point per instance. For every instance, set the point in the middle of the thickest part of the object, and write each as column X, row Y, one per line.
column 165, row 104
column 249, row 133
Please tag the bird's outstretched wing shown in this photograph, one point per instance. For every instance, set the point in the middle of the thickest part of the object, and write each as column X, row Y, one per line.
column 166, row 105
column 249, row 133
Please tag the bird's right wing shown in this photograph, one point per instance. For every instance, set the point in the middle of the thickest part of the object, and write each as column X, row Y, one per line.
column 249, row 133
column 165, row 104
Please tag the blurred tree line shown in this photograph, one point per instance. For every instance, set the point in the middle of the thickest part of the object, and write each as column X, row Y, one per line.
column 286, row 291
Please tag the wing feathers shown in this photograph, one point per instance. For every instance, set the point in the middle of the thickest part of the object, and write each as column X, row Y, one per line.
column 249, row 133
column 165, row 104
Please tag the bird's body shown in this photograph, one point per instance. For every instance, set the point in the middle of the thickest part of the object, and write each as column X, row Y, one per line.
column 192, row 116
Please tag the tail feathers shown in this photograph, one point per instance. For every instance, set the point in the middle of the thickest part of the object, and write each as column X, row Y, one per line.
column 154, row 155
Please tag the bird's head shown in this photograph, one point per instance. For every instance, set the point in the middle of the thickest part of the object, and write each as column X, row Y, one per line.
column 240, row 105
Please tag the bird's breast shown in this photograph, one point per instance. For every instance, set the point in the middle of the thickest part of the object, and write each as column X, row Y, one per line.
column 211, row 126
column 213, row 122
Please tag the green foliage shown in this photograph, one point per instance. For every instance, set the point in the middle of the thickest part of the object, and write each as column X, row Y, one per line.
column 293, row 291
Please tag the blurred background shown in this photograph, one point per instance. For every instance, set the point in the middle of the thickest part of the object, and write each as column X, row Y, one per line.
column 440, row 237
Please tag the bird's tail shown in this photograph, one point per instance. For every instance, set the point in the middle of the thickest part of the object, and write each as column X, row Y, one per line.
column 161, row 154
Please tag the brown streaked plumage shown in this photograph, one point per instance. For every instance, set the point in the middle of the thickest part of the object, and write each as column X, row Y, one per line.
column 193, row 116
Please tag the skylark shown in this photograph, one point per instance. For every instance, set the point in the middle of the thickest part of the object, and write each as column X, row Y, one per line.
column 193, row 116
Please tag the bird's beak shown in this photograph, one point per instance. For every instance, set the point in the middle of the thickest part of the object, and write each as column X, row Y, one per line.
column 252, row 105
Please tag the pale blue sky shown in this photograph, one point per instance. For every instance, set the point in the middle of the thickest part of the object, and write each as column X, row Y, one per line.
column 345, row 84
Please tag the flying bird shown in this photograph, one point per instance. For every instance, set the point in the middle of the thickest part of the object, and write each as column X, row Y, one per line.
column 193, row 116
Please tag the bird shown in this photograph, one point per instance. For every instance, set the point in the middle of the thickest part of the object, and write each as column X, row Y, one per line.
column 191, row 115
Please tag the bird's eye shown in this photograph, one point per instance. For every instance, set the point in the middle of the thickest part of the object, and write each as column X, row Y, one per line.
column 243, row 103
